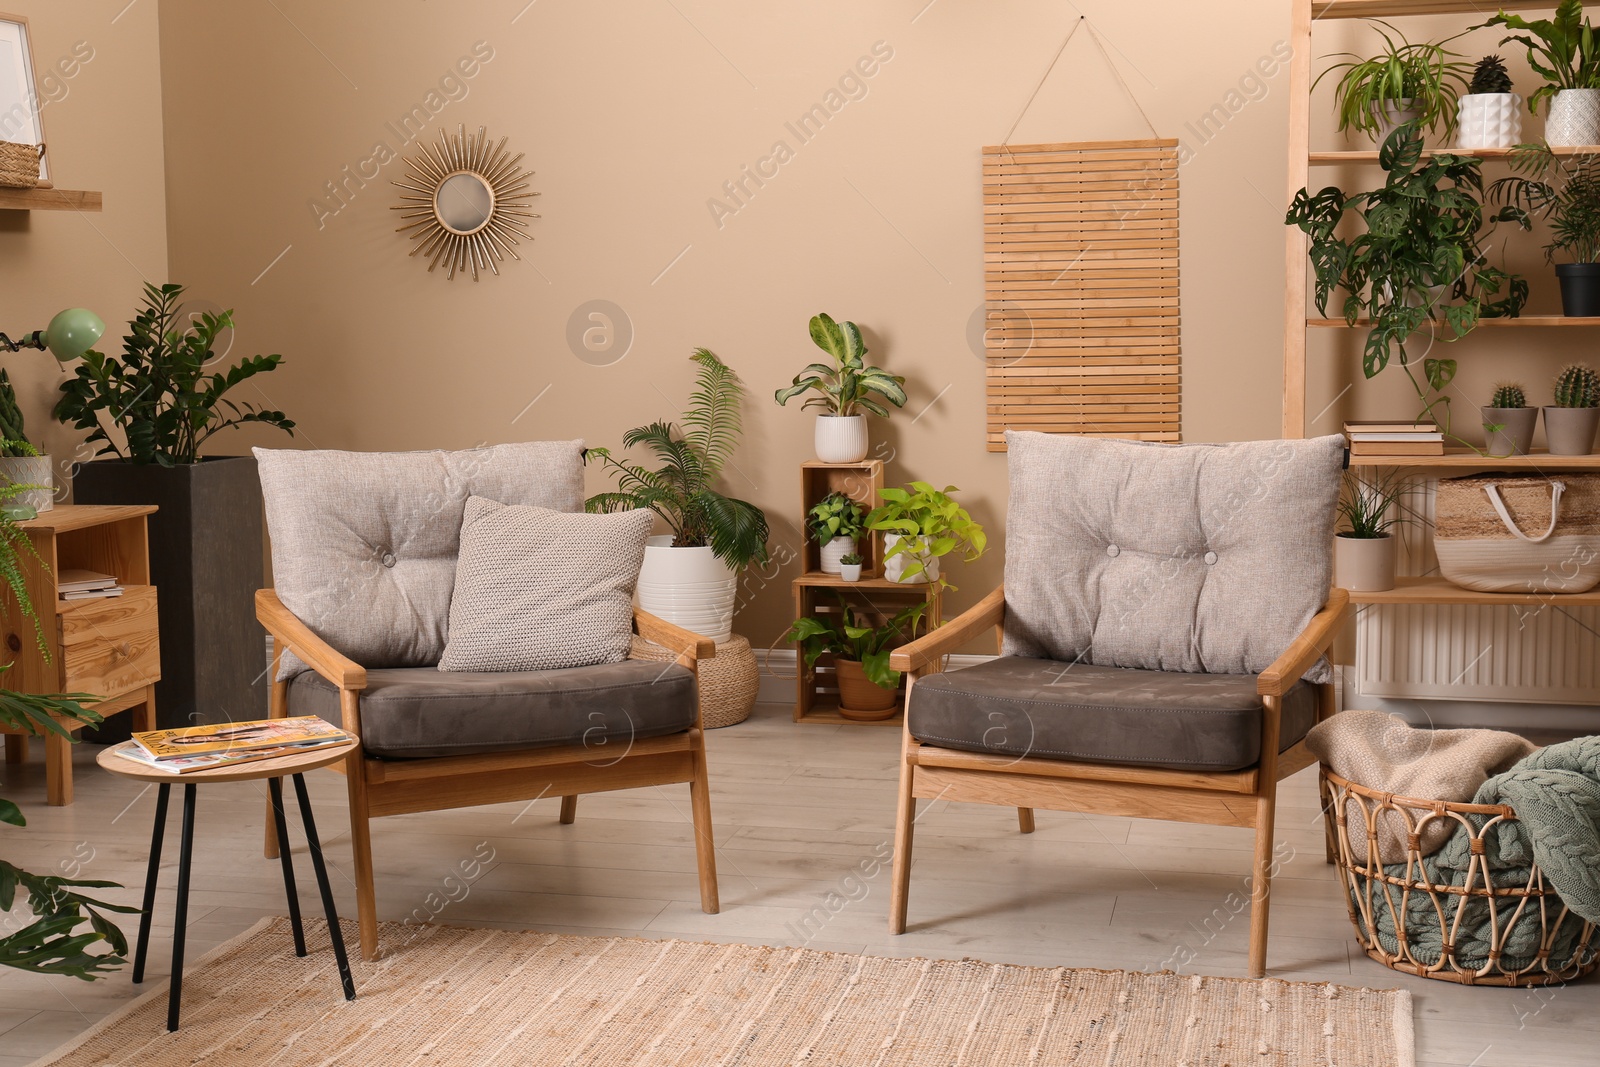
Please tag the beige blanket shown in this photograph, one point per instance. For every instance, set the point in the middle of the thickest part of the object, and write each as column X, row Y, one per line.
column 1384, row 752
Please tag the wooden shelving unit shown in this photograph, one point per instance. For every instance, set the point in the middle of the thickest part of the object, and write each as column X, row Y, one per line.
column 50, row 200
column 1437, row 591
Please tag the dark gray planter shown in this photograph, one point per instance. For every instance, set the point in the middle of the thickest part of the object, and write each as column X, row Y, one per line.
column 205, row 562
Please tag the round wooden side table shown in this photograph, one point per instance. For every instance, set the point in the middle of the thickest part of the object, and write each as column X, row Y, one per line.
column 274, row 771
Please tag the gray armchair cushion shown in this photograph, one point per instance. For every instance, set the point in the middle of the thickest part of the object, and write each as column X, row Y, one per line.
column 364, row 544
column 413, row 712
column 1194, row 558
column 1013, row 706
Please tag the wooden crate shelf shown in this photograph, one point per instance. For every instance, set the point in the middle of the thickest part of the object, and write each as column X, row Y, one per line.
column 1437, row 591
column 816, row 695
column 825, row 712
column 861, row 482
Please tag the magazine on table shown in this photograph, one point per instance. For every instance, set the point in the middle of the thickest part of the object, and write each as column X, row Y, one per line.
column 130, row 750
column 231, row 737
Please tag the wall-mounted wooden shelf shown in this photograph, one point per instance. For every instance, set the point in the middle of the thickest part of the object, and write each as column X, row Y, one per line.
column 1483, row 324
column 1462, row 457
column 49, row 200
column 1386, row 9
column 1437, row 591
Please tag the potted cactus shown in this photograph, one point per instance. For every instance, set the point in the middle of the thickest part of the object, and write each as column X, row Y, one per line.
column 1508, row 421
column 1569, row 425
column 850, row 567
column 25, row 475
column 836, row 521
column 845, row 391
column 1489, row 114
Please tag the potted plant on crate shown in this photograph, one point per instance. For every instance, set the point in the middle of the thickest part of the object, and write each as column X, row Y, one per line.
column 1569, row 425
column 1508, row 422
column 920, row 525
column 152, row 411
column 866, row 682
column 1565, row 52
column 835, row 522
column 1567, row 193
column 1364, row 553
column 850, row 567
column 25, row 475
column 1489, row 114
column 690, row 576
column 1406, row 83
column 845, row 391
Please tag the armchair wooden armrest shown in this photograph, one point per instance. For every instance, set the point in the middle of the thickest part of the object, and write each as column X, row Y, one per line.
column 288, row 632
column 686, row 643
column 1319, row 633
column 931, row 647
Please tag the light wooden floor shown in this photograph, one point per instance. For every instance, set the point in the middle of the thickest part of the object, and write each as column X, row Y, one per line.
column 801, row 813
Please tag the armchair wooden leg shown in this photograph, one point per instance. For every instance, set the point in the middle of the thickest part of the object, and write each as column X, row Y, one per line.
column 904, row 822
column 705, row 842
column 569, row 810
column 1025, row 820
column 16, row 748
column 1261, row 884
column 361, row 850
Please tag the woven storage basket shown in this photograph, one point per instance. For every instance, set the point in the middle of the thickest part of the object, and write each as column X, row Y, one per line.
column 728, row 682
column 19, row 164
column 1566, row 947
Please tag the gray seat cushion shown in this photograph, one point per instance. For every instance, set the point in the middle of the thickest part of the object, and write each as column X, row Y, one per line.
column 1014, row 706
column 409, row 712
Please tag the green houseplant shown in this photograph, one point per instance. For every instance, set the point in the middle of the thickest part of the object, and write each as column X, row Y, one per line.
column 1508, row 421
column 1364, row 551
column 850, row 567
column 151, row 411
column 835, row 522
column 861, row 655
column 1415, row 260
column 1567, row 193
column 1406, row 82
column 23, row 470
column 1489, row 114
column 920, row 525
column 1564, row 51
column 690, row 576
column 1570, row 424
column 846, row 389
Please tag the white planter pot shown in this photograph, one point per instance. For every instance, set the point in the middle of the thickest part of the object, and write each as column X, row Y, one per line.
column 850, row 572
column 689, row 587
column 1364, row 564
column 894, row 567
column 1574, row 118
column 841, row 438
column 1489, row 120
column 30, row 470
column 1393, row 113
column 835, row 550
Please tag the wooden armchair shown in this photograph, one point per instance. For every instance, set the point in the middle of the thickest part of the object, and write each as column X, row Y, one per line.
column 663, row 742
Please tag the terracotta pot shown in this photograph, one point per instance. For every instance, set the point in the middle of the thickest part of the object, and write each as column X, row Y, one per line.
column 841, row 438
column 861, row 698
column 1570, row 431
column 1515, row 436
column 1364, row 564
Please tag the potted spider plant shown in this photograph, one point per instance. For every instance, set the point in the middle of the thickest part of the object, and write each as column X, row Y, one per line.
column 845, row 391
column 1405, row 83
column 690, row 576
column 1565, row 52
column 1567, row 193
column 867, row 684
column 1364, row 552
column 24, row 473
column 835, row 522
column 1489, row 114
column 1508, row 422
column 1570, row 424
column 919, row 525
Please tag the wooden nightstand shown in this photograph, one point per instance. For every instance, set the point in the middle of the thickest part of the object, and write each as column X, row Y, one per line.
column 108, row 647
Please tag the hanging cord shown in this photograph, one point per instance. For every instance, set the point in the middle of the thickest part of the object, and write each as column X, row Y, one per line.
column 1095, row 36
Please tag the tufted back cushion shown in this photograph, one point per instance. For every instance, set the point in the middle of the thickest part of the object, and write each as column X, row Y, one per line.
column 1196, row 558
column 364, row 544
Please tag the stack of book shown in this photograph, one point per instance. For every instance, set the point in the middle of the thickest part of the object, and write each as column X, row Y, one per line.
column 76, row 584
column 1394, row 438
column 200, row 748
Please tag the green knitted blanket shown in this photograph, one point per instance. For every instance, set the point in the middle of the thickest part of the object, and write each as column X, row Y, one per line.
column 1556, row 795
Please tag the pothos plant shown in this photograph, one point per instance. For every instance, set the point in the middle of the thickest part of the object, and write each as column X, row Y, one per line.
column 1416, row 261
column 843, row 636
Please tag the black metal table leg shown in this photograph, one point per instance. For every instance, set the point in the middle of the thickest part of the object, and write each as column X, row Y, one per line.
column 151, row 874
column 275, row 787
column 181, row 919
column 335, row 934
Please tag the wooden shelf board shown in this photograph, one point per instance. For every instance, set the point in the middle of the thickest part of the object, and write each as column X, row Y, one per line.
column 1435, row 590
column 1370, row 155
column 833, row 581
column 828, row 713
column 1490, row 324
column 49, row 200
column 1462, row 457
column 1362, row 9
column 64, row 517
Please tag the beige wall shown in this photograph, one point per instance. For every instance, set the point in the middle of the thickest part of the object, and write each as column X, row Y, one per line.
column 102, row 124
column 632, row 116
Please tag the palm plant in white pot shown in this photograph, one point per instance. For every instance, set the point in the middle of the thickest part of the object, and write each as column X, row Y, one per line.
column 690, row 576
column 845, row 391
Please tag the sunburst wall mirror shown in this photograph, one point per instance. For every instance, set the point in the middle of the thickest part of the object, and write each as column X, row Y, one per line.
column 469, row 202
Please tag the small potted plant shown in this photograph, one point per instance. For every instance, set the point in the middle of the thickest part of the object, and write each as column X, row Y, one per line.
column 1563, row 51
column 1489, row 114
column 836, row 521
column 1508, row 421
column 1567, row 192
column 1406, row 83
column 1569, row 425
column 1363, row 554
column 24, row 473
column 845, row 391
column 921, row 524
column 850, row 567
column 866, row 682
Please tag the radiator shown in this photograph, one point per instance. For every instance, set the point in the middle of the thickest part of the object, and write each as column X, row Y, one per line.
column 1534, row 653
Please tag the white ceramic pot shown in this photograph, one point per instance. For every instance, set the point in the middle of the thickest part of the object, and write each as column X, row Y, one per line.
column 833, row 551
column 689, row 587
column 1393, row 113
column 850, row 572
column 1489, row 120
column 894, row 567
column 841, row 438
column 1571, row 431
column 1574, row 118
column 30, row 470
column 1364, row 564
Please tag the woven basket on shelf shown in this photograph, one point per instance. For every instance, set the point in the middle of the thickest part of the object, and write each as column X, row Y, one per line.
column 728, row 682
column 1566, row 946
column 19, row 164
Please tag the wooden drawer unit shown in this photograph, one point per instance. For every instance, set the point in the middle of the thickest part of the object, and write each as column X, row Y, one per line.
column 110, row 646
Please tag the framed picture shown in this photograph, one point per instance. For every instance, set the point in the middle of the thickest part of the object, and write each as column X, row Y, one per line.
column 19, row 95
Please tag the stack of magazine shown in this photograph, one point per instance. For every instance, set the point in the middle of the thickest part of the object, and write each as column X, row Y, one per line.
column 202, row 748
column 77, row 584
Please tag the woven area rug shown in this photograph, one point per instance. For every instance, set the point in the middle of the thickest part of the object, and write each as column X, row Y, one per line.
column 446, row 995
